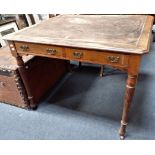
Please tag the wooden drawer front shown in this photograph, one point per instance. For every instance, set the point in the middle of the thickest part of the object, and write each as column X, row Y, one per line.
column 97, row 57
column 41, row 50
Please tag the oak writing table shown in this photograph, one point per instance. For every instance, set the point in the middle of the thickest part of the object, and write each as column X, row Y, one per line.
column 115, row 40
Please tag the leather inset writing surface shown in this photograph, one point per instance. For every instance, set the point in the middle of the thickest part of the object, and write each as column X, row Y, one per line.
column 103, row 32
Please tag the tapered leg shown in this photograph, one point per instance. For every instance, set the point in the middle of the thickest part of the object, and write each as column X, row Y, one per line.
column 130, row 87
column 102, row 70
column 23, row 74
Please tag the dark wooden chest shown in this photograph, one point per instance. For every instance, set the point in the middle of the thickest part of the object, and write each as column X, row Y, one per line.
column 43, row 73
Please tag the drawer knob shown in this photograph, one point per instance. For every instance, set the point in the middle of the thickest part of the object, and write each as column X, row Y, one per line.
column 77, row 55
column 2, row 84
column 51, row 51
column 24, row 48
column 113, row 59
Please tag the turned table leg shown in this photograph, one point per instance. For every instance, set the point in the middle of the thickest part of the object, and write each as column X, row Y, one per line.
column 23, row 74
column 130, row 87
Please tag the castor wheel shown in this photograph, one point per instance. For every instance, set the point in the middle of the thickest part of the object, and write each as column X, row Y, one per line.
column 122, row 137
column 101, row 75
column 31, row 107
column 34, row 107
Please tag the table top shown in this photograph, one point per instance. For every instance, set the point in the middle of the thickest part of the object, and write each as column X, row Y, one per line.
column 118, row 33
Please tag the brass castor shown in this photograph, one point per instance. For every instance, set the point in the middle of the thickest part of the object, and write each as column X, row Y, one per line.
column 101, row 75
column 35, row 107
column 32, row 107
column 122, row 137
column 122, row 130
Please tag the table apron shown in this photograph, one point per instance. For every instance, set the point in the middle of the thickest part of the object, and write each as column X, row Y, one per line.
column 114, row 59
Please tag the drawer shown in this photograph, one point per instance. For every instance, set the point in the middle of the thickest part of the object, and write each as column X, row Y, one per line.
column 92, row 56
column 38, row 49
column 98, row 57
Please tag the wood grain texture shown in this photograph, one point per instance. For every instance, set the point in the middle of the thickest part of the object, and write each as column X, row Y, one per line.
column 123, row 33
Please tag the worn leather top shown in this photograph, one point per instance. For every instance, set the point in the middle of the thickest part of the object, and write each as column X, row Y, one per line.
column 7, row 61
column 124, row 33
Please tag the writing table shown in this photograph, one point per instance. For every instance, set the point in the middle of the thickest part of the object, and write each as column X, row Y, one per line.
column 115, row 40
